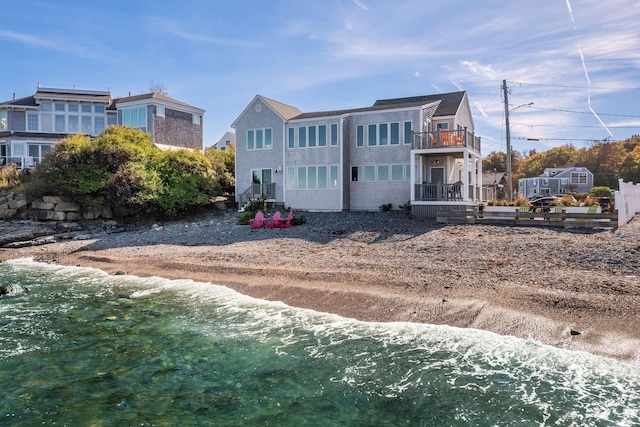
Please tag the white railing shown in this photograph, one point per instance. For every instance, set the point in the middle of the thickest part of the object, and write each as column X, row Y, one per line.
column 627, row 201
column 21, row 162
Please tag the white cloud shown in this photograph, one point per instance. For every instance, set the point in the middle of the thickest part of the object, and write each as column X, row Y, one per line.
column 360, row 4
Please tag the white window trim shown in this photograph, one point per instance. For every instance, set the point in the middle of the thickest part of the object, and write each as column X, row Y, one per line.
column 264, row 139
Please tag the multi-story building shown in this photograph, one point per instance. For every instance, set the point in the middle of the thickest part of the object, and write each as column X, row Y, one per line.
column 557, row 181
column 420, row 150
column 30, row 126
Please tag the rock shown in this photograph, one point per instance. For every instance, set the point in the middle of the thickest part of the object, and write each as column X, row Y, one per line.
column 17, row 204
column 12, row 289
column 67, row 207
column 7, row 213
column 51, row 199
column 106, row 213
column 74, row 216
column 42, row 206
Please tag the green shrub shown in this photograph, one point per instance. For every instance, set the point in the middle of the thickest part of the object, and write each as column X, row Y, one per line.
column 9, row 177
column 244, row 217
column 600, row 192
column 299, row 220
column 406, row 206
column 386, row 207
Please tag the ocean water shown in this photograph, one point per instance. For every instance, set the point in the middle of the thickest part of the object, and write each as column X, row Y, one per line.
column 82, row 348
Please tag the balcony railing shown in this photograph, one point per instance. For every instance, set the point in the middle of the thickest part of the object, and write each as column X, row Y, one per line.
column 445, row 139
column 26, row 162
column 442, row 192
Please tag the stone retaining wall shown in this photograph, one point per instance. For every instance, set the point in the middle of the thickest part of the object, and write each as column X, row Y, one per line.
column 49, row 208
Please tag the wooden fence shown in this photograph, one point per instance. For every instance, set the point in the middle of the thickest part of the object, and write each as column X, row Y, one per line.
column 530, row 219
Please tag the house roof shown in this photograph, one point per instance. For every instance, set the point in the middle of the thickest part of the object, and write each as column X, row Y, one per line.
column 28, row 101
column 152, row 95
column 286, row 111
column 448, row 104
column 73, row 95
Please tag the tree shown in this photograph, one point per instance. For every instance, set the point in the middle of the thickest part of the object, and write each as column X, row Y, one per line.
column 629, row 168
column 158, row 88
column 495, row 160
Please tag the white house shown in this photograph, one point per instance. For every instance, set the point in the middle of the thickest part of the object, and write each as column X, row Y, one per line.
column 224, row 142
column 557, row 181
column 420, row 150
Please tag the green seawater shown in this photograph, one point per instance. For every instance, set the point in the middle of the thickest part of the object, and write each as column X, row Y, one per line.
column 82, row 348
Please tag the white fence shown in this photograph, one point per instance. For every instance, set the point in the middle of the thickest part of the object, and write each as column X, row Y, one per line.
column 627, row 201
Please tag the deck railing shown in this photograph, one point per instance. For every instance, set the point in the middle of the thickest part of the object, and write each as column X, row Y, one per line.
column 439, row 192
column 257, row 191
column 24, row 162
column 445, row 139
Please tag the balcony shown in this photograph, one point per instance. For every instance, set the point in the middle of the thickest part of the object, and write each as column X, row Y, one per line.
column 442, row 192
column 445, row 139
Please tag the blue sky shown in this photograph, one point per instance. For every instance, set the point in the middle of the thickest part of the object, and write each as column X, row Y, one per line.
column 578, row 61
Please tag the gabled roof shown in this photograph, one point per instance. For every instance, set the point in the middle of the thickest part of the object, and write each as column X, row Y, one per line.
column 448, row 105
column 286, row 111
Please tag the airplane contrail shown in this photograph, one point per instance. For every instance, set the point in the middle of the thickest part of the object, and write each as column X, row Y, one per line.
column 586, row 73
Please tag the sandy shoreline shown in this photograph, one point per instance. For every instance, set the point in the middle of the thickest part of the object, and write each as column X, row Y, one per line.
column 531, row 283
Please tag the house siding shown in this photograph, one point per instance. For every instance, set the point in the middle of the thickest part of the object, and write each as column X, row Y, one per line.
column 370, row 195
column 248, row 160
column 175, row 128
column 314, row 199
column 17, row 121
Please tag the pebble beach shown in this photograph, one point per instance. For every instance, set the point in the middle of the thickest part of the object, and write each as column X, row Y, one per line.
column 575, row 289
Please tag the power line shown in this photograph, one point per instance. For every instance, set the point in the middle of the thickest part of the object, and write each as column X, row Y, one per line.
column 566, row 139
column 576, row 126
column 575, row 87
column 583, row 112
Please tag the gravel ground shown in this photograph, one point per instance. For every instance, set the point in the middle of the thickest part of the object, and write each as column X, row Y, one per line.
column 575, row 289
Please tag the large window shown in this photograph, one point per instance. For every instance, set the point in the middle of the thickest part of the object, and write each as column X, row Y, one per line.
column 312, row 136
column 292, row 138
column 395, row 133
column 372, row 135
column 3, row 120
column 99, row 124
column 47, row 122
column 259, row 139
column 578, row 177
column 302, row 137
column 407, row 132
column 60, row 122
column 322, row 136
column 133, row 117
column 384, row 134
column 311, row 177
column 59, row 107
column 380, row 173
column 32, row 122
column 334, row 134
column 74, row 124
column 86, row 124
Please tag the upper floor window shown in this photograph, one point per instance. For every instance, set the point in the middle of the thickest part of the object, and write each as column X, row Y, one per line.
column 578, row 177
column 259, row 139
column 32, row 122
column 135, row 117
column 292, row 138
column 322, row 136
column 196, row 119
column 46, row 106
column 59, row 107
column 73, row 108
column 86, row 108
column 98, row 109
column 334, row 134
column 3, row 120
column 160, row 111
column 407, row 132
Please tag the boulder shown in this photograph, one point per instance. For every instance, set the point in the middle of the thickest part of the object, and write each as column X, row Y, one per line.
column 74, row 216
column 7, row 213
column 67, row 207
column 52, row 199
column 12, row 289
column 42, row 206
column 50, row 215
column 17, row 204
column 106, row 213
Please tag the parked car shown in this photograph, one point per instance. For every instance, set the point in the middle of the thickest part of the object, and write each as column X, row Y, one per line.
column 545, row 201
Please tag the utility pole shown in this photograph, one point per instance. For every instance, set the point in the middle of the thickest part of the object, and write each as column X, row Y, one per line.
column 506, row 117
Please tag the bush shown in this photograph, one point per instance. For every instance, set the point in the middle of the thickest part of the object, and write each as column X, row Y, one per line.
column 122, row 168
column 9, row 177
column 299, row 220
column 519, row 201
column 386, row 207
column 406, row 206
column 600, row 192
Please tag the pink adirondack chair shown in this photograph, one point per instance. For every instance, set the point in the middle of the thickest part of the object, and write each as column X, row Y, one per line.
column 258, row 221
column 271, row 222
column 284, row 222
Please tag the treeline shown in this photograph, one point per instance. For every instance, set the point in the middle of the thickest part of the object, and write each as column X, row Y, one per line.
column 121, row 168
column 608, row 161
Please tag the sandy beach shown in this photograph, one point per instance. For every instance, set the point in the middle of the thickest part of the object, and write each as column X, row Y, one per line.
column 578, row 290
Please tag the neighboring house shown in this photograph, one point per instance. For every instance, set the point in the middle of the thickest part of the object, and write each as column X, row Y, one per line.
column 493, row 185
column 30, row 126
column 557, row 181
column 420, row 150
column 223, row 143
